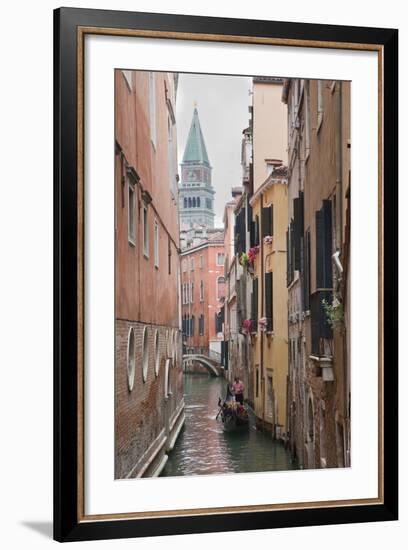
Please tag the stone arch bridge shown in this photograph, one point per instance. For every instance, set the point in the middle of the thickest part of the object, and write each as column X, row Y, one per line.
column 213, row 365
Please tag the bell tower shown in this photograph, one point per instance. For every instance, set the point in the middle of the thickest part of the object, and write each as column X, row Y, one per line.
column 196, row 194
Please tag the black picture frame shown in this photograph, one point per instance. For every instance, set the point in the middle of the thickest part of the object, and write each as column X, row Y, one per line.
column 67, row 525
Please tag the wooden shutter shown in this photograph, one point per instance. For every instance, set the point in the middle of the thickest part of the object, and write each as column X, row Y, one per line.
column 266, row 221
column 327, row 217
column 256, row 231
column 306, row 271
column 271, row 219
column 320, row 282
column 269, row 300
column 296, row 233
column 252, row 234
column 249, row 214
column 315, row 323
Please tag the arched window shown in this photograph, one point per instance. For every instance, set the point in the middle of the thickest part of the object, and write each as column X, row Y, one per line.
column 185, row 202
column 173, row 345
column 168, row 346
column 131, row 358
column 167, row 380
column 189, row 202
column 156, row 353
column 194, row 202
column 198, row 202
column 220, row 288
column 145, row 353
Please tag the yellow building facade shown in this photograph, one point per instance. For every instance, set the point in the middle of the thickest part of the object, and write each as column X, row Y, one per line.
column 269, row 204
column 270, row 342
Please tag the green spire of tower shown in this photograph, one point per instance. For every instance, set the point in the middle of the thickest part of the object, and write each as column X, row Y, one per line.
column 195, row 151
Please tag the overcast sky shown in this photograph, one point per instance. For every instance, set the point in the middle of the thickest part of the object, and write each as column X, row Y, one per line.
column 222, row 103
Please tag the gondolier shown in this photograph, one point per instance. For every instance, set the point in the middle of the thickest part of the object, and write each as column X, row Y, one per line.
column 238, row 389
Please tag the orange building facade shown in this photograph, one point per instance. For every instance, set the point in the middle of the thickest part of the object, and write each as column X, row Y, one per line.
column 202, row 296
column 149, row 408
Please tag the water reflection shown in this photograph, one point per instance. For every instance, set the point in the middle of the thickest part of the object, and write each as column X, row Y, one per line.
column 204, row 448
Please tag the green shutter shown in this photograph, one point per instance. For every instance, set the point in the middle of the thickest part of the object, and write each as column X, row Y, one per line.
column 269, row 300
column 266, row 221
column 320, row 283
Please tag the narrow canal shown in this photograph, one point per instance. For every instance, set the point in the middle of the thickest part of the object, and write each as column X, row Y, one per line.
column 204, row 448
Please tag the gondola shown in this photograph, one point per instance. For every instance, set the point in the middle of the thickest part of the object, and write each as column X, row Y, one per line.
column 233, row 415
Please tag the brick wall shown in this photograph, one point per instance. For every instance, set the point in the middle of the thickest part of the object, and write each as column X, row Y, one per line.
column 141, row 414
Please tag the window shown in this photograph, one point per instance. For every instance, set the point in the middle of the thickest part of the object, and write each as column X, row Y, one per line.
column 192, row 326
column 201, row 291
column 174, row 347
column 145, row 232
column 198, row 202
column 200, row 262
column 167, row 380
column 324, row 241
column 255, row 239
column 171, row 155
column 220, row 288
column 191, row 264
column 131, row 359
column 321, row 330
column 127, row 75
column 269, row 300
column 218, row 322
column 201, row 325
column 220, row 258
column 145, row 353
column 156, row 244
column 185, row 202
column 185, row 293
column 208, row 204
column 306, row 273
column 152, row 107
column 191, row 292
column 240, row 232
column 131, row 214
column 267, row 221
column 156, row 353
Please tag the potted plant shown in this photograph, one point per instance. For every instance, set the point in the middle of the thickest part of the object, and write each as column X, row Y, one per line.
column 244, row 259
column 334, row 312
column 252, row 254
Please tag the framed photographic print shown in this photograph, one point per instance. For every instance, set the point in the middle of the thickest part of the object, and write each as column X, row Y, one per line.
column 225, row 274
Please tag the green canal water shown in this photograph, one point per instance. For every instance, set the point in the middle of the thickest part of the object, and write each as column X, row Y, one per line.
column 204, row 448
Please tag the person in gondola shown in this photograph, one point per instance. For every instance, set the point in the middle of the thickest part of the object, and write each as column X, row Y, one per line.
column 238, row 389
